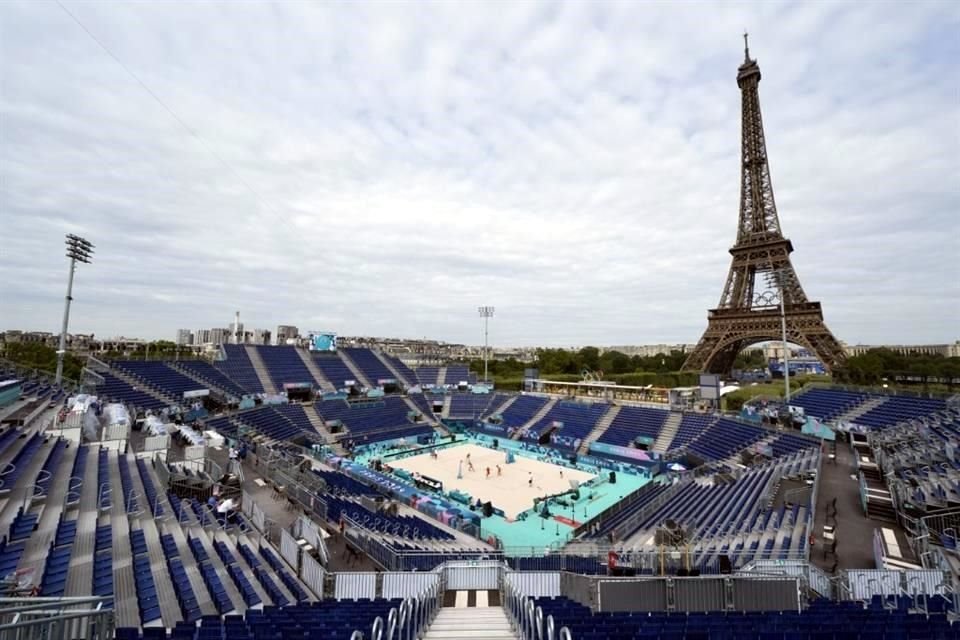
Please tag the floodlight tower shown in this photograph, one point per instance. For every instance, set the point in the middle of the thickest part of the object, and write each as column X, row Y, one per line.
column 78, row 250
column 486, row 313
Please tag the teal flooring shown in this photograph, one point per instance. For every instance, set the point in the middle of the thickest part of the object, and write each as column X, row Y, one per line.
column 536, row 534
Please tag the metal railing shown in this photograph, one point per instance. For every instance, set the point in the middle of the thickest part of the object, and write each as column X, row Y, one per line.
column 527, row 619
column 56, row 618
column 409, row 621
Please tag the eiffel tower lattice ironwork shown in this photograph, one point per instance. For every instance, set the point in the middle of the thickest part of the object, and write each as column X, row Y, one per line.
column 760, row 273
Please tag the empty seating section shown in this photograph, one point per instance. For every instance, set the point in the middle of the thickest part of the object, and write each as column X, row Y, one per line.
column 280, row 422
column 130, row 502
column 370, row 365
column 722, row 513
column 208, row 373
column 238, row 368
column 147, row 600
column 469, row 405
column 334, row 369
column 16, row 467
column 284, row 365
column 186, row 598
column 423, row 404
column 54, row 579
column 103, row 562
column 50, row 467
column 150, row 489
column 428, row 375
column 75, row 484
column 403, row 369
column 23, row 525
column 113, row 389
column 383, row 419
column 578, row 418
column 645, row 496
column 224, row 426
column 522, row 410
column 497, row 402
column 633, row 422
column 457, row 373
column 406, row 527
column 724, row 438
column 218, row 593
column 789, row 443
column 896, row 409
column 104, row 489
column 691, row 426
column 827, row 404
column 331, row 619
column 823, row 620
column 159, row 376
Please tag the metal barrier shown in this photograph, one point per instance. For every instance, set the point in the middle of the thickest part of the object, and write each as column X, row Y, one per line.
column 408, row 621
column 527, row 619
column 56, row 618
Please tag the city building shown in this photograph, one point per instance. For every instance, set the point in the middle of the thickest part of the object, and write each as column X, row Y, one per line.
column 184, row 337
column 287, row 332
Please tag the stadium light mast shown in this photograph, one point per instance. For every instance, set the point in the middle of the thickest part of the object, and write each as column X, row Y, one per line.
column 78, row 250
column 486, row 313
column 780, row 276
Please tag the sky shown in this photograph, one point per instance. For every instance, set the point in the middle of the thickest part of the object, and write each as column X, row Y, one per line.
column 385, row 168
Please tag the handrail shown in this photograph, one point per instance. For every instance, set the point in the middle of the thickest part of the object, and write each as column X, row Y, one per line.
column 105, row 491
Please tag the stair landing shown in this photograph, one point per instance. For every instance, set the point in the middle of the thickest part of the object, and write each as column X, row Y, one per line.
column 477, row 622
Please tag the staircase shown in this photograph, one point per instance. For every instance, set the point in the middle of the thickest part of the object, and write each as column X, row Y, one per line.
column 602, row 425
column 441, row 376
column 447, row 401
column 354, row 369
column 260, row 369
column 321, row 380
column 470, row 623
column 506, row 405
column 396, row 374
column 544, row 410
column 860, row 409
column 426, row 416
column 667, row 433
column 316, row 420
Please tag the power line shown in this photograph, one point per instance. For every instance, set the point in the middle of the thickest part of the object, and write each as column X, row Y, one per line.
column 173, row 114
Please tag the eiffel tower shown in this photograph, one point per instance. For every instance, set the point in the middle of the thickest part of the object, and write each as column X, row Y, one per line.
column 761, row 276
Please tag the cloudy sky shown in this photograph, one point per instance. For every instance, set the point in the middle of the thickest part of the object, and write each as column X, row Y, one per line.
column 385, row 168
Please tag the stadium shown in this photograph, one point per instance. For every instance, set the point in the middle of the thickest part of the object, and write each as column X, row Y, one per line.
column 318, row 490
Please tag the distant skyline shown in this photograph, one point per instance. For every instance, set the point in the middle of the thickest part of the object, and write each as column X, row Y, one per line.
column 384, row 169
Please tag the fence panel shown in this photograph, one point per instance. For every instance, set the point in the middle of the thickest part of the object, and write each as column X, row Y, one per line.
column 289, row 549
column 355, row 586
column 766, row 594
column 926, row 581
column 479, row 575
column 195, row 452
column 406, row 584
column 632, row 595
column 536, row 584
column 259, row 518
column 866, row 583
column 312, row 575
column 699, row 594
column 246, row 504
column 156, row 443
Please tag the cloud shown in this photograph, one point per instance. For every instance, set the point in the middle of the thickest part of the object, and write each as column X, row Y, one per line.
column 388, row 167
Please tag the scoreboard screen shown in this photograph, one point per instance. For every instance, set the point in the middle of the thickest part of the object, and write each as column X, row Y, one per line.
column 323, row 341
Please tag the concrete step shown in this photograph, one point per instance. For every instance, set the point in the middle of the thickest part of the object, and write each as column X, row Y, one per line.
column 260, row 369
column 476, row 623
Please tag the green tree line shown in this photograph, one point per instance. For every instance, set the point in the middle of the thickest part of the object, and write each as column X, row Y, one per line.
column 878, row 366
